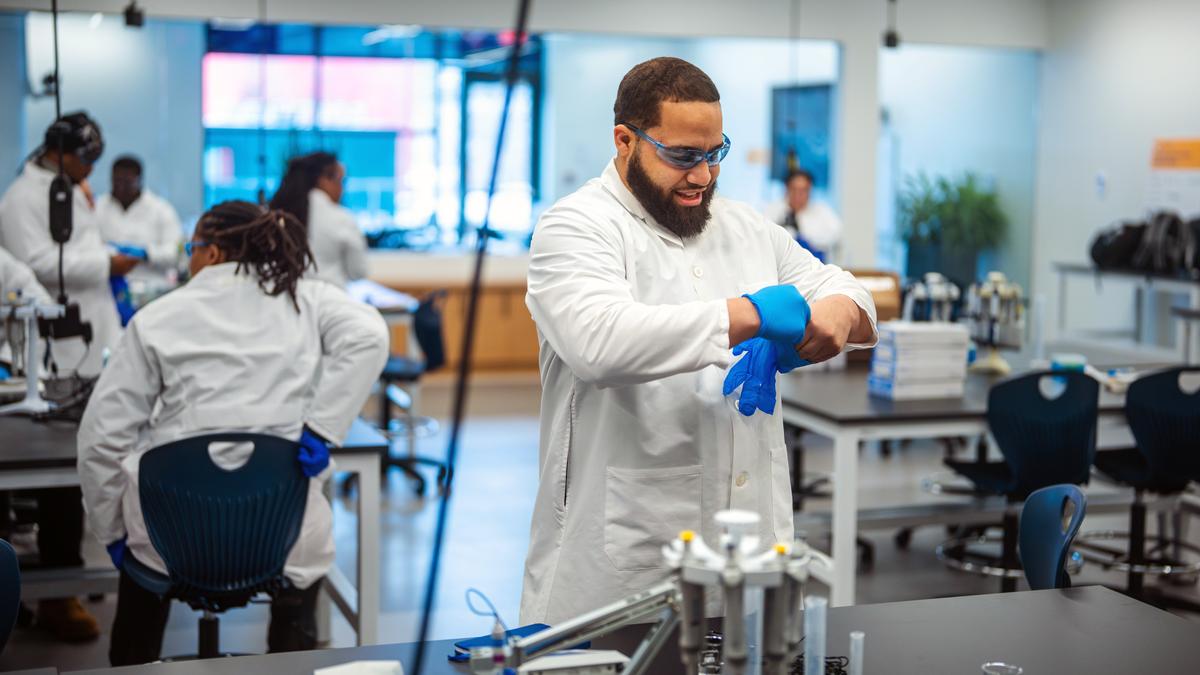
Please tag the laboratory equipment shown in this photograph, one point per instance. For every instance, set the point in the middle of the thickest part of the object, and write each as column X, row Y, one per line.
column 26, row 310
column 814, row 635
column 856, row 652
column 996, row 314
column 931, row 298
column 734, row 565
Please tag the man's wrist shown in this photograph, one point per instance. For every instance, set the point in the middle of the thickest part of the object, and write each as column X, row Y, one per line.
column 744, row 321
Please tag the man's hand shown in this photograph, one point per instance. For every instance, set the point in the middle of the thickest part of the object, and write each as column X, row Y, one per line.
column 833, row 319
column 119, row 265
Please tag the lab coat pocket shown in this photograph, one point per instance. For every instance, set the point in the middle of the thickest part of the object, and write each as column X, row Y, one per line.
column 646, row 508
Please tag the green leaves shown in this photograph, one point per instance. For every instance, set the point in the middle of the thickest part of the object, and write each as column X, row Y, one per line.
column 957, row 215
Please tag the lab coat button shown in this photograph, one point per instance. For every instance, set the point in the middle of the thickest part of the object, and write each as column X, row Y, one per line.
column 742, row 478
column 698, row 272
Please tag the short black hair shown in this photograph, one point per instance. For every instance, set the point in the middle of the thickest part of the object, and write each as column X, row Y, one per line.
column 797, row 173
column 128, row 163
column 648, row 84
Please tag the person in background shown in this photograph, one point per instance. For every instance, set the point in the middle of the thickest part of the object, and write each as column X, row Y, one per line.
column 311, row 190
column 137, row 220
column 238, row 348
column 812, row 223
column 75, row 141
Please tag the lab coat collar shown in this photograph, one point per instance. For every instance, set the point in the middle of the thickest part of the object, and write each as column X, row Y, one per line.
column 611, row 180
column 319, row 195
column 40, row 173
column 220, row 273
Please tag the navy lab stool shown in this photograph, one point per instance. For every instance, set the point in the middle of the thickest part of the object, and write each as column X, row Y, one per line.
column 406, row 371
column 1045, row 426
column 1165, row 421
column 10, row 591
column 224, row 535
column 1050, row 520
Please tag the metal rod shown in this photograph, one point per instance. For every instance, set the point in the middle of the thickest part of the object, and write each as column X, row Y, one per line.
column 639, row 663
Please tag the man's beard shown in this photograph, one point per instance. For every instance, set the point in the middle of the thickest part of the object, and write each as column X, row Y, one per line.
column 684, row 221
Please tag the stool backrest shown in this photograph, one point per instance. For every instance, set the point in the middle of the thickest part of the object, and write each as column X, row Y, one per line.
column 1045, row 439
column 1050, row 519
column 221, row 532
column 1165, row 421
column 427, row 327
column 10, row 591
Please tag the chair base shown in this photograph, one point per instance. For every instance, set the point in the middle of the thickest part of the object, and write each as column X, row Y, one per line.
column 1155, row 562
column 958, row 553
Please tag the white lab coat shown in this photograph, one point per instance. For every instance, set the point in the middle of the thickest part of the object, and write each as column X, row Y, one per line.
column 16, row 276
column 150, row 222
column 338, row 245
column 25, row 232
column 637, row 442
column 819, row 225
column 219, row 354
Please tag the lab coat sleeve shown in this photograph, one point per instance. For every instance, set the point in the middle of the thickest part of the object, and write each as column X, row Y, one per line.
column 15, row 275
column 164, row 253
column 584, row 306
column 816, row 280
column 354, row 251
column 118, row 409
column 27, row 236
column 354, row 348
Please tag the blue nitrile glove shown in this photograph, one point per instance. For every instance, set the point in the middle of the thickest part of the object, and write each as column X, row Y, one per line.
column 755, row 374
column 4, row 374
column 132, row 251
column 789, row 359
column 116, row 551
column 122, row 298
column 314, row 453
column 783, row 313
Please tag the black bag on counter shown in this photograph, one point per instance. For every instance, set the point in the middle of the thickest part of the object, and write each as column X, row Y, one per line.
column 1113, row 248
column 1167, row 247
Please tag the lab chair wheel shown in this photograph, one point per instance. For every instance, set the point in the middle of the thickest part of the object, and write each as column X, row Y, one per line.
column 24, row 616
column 903, row 538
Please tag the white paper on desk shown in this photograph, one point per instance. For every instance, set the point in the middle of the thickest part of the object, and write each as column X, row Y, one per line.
column 363, row 668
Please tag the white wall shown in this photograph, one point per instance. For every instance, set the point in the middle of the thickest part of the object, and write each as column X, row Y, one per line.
column 959, row 109
column 141, row 86
column 1116, row 76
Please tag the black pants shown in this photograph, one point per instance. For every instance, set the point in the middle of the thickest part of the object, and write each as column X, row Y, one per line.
column 60, row 526
column 137, row 632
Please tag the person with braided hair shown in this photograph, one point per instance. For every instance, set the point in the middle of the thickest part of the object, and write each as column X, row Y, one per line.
column 238, row 348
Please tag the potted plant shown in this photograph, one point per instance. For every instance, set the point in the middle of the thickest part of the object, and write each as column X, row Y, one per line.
column 945, row 224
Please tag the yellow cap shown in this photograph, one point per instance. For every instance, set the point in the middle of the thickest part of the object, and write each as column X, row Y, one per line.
column 781, row 549
column 687, row 535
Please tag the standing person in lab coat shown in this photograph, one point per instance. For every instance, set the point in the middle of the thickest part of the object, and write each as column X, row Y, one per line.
column 133, row 216
column 311, row 190
column 814, row 225
column 641, row 283
column 238, row 348
column 74, row 142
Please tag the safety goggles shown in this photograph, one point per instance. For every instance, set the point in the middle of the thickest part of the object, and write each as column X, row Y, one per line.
column 684, row 158
column 190, row 246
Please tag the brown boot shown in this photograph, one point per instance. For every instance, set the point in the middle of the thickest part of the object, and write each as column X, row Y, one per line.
column 67, row 620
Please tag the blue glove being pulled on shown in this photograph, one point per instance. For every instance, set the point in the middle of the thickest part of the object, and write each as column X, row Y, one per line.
column 755, row 374
column 789, row 359
column 132, row 251
column 783, row 313
column 314, row 453
column 116, row 551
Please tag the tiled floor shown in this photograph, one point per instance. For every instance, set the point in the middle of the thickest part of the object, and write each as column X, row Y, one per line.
column 488, row 533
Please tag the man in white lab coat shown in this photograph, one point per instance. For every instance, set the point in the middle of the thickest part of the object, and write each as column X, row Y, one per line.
column 142, row 223
column 812, row 222
column 74, row 141
column 238, row 348
column 641, row 283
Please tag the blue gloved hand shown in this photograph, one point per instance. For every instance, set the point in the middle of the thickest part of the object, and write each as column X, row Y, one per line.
column 116, row 551
column 783, row 313
column 132, row 251
column 789, row 359
column 4, row 374
column 314, row 453
column 755, row 374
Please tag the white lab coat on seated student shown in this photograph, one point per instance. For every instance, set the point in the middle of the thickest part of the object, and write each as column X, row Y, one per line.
column 637, row 441
column 817, row 224
column 216, row 355
column 25, row 232
column 151, row 223
column 338, row 245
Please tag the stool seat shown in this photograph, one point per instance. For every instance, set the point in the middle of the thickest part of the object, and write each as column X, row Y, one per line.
column 1129, row 467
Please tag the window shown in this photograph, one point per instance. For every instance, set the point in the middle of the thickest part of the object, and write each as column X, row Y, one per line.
column 398, row 122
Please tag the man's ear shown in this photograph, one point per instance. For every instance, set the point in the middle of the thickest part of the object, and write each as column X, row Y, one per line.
column 623, row 139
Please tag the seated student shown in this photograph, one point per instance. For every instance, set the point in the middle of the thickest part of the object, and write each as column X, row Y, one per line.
column 238, row 348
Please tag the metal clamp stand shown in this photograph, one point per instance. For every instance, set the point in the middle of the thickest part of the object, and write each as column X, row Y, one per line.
column 781, row 571
column 28, row 312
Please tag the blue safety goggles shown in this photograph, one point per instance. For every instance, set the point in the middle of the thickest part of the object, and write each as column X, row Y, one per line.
column 190, row 246
column 684, row 158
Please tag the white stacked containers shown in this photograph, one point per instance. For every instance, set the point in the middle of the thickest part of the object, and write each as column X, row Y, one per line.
column 919, row 360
